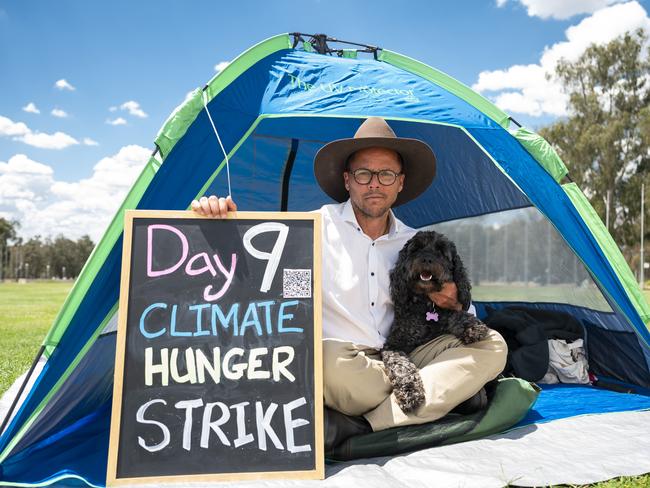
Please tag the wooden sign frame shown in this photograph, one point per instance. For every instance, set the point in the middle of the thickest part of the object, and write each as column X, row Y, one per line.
column 319, row 471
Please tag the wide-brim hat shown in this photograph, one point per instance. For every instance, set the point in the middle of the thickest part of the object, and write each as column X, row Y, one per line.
column 419, row 162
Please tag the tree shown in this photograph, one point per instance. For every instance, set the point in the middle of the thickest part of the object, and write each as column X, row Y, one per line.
column 62, row 256
column 84, row 247
column 7, row 233
column 35, row 258
column 605, row 141
column 66, row 256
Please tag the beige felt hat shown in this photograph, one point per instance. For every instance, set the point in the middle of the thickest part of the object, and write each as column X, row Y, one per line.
column 418, row 158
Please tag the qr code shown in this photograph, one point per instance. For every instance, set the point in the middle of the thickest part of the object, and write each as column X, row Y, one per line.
column 296, row 283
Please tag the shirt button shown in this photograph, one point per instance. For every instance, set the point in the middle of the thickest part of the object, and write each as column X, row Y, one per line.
column 373, row 304
column 373, row 243
column 372, row 274
column 359, row 229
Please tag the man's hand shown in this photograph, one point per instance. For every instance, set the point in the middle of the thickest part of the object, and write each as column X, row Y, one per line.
column 213, row 206
column 447, row 297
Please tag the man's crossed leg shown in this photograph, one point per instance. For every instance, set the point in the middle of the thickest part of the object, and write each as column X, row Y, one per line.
column 355, row 382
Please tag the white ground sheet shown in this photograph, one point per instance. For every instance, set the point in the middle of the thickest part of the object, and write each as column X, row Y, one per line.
column 576, row 450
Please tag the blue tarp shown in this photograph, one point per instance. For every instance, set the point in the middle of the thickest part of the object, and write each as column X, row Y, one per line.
column 563, row 401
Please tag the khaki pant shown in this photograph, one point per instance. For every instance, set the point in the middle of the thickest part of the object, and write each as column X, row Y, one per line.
column 355, row 382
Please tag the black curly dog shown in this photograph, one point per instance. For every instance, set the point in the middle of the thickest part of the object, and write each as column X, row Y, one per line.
column 425, row 263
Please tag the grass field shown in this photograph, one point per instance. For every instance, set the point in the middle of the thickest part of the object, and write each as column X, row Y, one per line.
column 27, row 311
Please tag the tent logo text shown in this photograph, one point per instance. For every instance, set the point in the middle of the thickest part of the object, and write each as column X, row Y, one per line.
column 339, row 88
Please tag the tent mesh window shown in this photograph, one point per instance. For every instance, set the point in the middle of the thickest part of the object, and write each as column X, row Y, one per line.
column 518, row 256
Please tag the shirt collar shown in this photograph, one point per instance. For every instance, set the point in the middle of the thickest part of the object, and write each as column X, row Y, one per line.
column 347, row 214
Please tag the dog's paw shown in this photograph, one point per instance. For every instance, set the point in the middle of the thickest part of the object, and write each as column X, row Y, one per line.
column 405, row 379
column 410, row 393
column 474, row 332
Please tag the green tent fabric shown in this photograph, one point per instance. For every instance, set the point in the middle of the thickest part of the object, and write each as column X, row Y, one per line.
column 543, row 152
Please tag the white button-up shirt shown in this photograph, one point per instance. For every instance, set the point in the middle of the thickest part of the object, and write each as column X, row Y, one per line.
column 356, row 298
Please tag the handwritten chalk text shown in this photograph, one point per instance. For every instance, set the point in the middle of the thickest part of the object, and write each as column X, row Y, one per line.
column 259, row 318
column 201, row 263
column 216, row 415
column 234, row 365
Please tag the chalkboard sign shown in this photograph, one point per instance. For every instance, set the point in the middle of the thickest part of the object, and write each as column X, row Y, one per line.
column 218, row 370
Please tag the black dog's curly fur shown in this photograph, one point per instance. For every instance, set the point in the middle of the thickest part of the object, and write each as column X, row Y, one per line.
column 425, row 263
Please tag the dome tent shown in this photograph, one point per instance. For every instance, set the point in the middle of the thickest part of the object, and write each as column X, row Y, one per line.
column 273, row 107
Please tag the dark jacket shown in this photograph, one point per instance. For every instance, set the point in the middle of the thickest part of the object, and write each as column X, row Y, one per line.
column 527, row 331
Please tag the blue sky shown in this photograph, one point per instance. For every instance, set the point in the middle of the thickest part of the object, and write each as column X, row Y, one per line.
column 136, row 60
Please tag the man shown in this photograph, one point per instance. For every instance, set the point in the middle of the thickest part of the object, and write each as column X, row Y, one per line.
column 369, row 174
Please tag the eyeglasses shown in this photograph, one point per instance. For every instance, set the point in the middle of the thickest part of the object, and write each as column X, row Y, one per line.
column 364, row 176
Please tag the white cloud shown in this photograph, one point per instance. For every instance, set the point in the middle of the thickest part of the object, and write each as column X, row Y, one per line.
column 21, row 164
column 117, row 121
column 22, row 178
column 133, row 108
column 220, row 66
column 525, row 89
column 57, row 112
column 10, row 128
column 43, row 205
column 600, row 28
column 58, row 140
column 31, row 108
column 87, row 141
column 561, row 9
column 20, row 132
column 62, row 84
column 516, row 102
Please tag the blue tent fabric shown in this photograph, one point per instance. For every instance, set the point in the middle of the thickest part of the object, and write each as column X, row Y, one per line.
column 310, row 83
column 293, row 99
column 563, row 401
column 461, row 164
column 91, row 383
column 71, row 438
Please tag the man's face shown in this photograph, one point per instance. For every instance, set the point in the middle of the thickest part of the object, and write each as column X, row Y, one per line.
column 374, row 199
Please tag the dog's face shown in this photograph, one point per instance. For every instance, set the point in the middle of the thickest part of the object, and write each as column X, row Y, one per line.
column 429, row 262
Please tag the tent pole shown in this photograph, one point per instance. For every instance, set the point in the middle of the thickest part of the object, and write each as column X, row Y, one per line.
column 642, row 267
column 20, row 391
column 286, row 175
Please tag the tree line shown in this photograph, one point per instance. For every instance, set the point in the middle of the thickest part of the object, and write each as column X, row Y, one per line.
column 35, row 258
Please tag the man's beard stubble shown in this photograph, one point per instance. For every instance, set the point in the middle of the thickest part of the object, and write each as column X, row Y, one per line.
column 372, row 212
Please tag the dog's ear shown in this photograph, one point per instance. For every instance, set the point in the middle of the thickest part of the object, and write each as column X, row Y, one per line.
column 399, row 278
column 444, row 246
column 460, row 278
